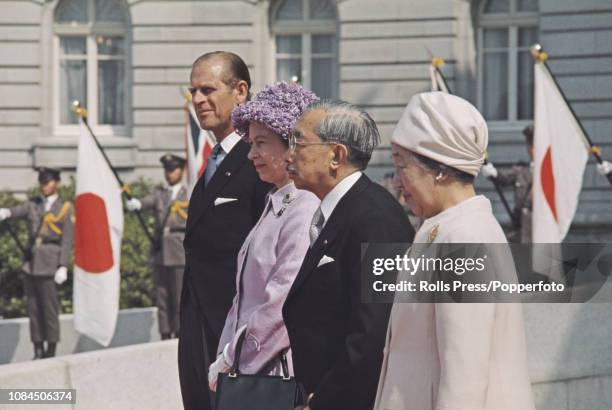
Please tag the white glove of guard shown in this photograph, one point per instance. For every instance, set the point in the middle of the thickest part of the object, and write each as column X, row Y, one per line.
column 61, row 274
column 133, row 205
column 604, row 168
column 4, row 213
column 219, row 366
column 489, row 170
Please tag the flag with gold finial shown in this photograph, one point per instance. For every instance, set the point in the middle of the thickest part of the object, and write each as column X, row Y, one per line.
column 438, row 82
column 97, row 242
column 561, row 151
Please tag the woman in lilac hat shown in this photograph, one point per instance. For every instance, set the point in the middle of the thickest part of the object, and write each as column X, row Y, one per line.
column 272, row 253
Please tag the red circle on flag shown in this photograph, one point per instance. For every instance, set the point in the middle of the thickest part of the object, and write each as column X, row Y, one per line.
column 547, row 178
column 93, row 251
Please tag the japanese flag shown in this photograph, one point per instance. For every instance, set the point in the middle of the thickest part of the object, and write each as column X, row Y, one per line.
column 561, row 152
column 97, row 243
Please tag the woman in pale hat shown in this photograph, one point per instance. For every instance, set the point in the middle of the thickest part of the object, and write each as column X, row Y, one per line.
column 272, row 253
column 456, row 356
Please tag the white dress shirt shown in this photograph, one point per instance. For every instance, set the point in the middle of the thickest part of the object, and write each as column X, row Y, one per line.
column 335, row 195
column 174, row 190
column 227, row 145
column 49, row 202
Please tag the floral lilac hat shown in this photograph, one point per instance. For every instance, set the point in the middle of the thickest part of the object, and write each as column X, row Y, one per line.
column 277, row 107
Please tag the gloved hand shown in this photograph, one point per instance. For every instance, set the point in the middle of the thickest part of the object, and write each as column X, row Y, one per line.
column 5, row 213
column 219, row 366
column 133, row 205
column 604, row 168
column 489, row 170
column 61, row 274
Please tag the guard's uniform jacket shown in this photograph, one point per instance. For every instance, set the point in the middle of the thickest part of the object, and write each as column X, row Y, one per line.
column 168, row 254
column 520, row 178
column 50, row 246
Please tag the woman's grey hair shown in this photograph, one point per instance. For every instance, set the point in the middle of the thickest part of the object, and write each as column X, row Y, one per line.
column 437, row 167
column 346, row 124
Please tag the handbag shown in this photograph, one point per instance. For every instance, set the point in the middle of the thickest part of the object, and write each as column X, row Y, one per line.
column 236, row 391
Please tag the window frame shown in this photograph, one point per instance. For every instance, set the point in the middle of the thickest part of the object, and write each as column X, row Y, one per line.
column 306, row 28
column 512, row 21
column 90, row 30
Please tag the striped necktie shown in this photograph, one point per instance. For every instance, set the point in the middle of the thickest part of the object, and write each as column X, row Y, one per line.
column 316, row 226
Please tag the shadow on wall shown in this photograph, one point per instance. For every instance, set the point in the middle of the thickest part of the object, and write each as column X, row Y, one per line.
column 570, row 353
column 10, row 334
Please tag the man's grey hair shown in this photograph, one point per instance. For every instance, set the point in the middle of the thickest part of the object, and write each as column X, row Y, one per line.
column 349, row 125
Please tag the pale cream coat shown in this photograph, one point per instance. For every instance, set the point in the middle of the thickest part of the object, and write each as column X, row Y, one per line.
column 450, row 356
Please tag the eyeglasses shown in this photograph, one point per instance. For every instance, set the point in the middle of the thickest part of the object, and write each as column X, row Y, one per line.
column 294, row 143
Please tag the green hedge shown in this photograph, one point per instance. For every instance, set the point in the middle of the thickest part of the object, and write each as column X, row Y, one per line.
column 137, row 287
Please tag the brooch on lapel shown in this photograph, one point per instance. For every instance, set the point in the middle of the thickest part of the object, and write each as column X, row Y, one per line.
column 287, row 199
column 433, row 233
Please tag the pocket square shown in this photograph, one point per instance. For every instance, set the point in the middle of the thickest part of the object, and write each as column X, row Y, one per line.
column 325, row 259
column 220, row 201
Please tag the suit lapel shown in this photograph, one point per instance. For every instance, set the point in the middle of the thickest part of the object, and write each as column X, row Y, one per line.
column 204, row 196
column 336, row 223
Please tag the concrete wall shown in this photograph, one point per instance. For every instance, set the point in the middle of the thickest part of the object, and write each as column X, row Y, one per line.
column 133, row 326
column 136, row 377
column 569, row 353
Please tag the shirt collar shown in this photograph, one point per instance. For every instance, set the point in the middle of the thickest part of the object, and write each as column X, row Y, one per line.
column 174, row 189
column 229, row 142
column 282, row 196
column 335, row 195
column 51, row 198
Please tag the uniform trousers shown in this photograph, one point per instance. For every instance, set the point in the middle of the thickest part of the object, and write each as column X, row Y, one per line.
column 43, row 308
column 168, row 285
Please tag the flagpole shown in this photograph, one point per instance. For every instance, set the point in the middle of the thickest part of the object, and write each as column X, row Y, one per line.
column 437, row 62
column 15, row 238
column 504, row 201
column 541, row 56
column 82, row 113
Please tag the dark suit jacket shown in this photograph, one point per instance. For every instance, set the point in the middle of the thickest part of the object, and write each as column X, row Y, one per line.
column 337, row 341
column 214, row 233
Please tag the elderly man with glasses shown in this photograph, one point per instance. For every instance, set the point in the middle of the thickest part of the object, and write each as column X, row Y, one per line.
column 337, row 341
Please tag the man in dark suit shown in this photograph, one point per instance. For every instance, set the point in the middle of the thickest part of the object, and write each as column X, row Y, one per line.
column 225, row 204
column 336, row 340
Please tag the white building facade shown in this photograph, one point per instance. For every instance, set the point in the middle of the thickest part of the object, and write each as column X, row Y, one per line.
column 128, row 61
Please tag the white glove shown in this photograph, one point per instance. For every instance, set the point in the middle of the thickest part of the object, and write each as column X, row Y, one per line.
column 133, row 205
column 4, row 213
column 489, row 170
column 61, row 274
column 219, row 366
column 604, row 169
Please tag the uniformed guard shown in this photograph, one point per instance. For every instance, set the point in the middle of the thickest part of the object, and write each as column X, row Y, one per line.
column 520, row 177
column 50, row 223
column 170, row 207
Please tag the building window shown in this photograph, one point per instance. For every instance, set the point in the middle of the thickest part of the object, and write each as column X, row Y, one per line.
column 507, row 28
column 91, row 38
column 306, row 44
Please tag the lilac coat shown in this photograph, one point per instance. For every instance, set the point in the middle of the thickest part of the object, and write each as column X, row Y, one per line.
column 274, row 251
